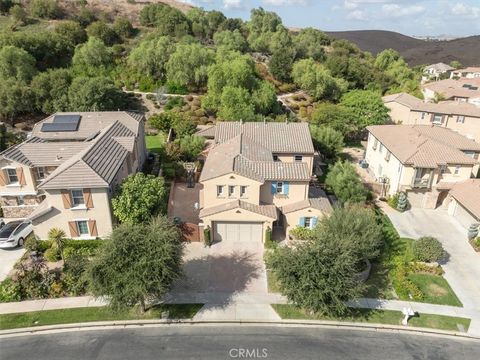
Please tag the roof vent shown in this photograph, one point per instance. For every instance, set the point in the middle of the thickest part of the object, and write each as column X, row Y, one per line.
column 58, row 158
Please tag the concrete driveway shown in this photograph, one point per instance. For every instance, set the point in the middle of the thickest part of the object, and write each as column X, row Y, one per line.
column 462, row 269
column 8, row 258
column 229, row 278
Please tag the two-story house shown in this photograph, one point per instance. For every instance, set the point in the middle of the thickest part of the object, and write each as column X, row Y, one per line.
column 257, row 175
column 466, row 90
column 423, row 161
column 65, row 174
column 467, row 73
column 461, row 117
column 436, row 71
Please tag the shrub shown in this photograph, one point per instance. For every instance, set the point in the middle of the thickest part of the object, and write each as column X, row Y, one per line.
column 173, row 102
column 392, row 200
column 52, row 254
column 301, row 233
column 402, row 203
column 74, row 280
column 34, row 280
column 402, row 285
column 31, row 244
column 9, row 291
column 44, row 245
column 269, row 243
column 473, row 230
column 428, row 249
column 174, row 88
column 207, row 236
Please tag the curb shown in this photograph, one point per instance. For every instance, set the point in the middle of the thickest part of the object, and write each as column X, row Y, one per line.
column 109, row 325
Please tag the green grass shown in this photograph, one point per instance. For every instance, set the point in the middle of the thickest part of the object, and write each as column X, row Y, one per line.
column 77, row 315
column 436, row 289
column 389, row 317
column 155, row 143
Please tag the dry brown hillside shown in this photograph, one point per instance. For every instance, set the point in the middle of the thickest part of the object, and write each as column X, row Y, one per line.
column 125, row 8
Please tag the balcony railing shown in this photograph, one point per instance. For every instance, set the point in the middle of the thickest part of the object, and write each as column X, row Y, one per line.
column 421, row 183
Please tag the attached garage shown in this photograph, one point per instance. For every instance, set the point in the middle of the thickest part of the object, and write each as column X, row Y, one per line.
column 465, row 206
column 233, row 232
column 463, row 216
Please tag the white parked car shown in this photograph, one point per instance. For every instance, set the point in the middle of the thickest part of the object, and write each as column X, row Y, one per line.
column 14, row 233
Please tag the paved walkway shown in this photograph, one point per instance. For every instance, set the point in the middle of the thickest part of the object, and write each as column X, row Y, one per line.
column 8, row 258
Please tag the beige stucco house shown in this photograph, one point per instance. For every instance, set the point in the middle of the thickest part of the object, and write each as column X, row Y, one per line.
column 257, row 176
column 461, row 117
column 463, row 202
column 463, row 89
column 435, row 71
column 424, row 161
column 64, row 175
column 471, row 72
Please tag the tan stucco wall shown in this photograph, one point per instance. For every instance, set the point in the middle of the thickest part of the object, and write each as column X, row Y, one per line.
column 292, row 219
column 28, row 188
column 209, row 192
column 59, row 216
column 307, row 158
column 297, row 191
column 401, row 114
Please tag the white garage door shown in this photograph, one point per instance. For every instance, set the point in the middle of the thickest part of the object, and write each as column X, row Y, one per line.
column 463, row 216
column 237, row 231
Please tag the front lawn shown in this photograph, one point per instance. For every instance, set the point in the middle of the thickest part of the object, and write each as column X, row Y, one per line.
column 435, row 289
column 89, row 314
column 155, row 143
column 374, row 316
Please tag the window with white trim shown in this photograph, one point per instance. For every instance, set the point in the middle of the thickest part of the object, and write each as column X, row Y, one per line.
column 40, row 173
column 279, row 187
column 220, row 190
column 457, row 170
column 437, row 118
column 423, row 115
column 308, row 222
column 461, row 119
column 298, row 158
column 77, row 197
column 231, row 190
column 82, row 227
column 243, row 191
column 12, row 176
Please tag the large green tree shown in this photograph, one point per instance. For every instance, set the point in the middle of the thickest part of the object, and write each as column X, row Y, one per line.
column 236, row 104
column 139, row 197
column 151, row 56
column 310, row 43
column 95, row 94
column 50, row 90
column 335, row 116
column 16, row 64
column 345, row 183
column 103, row 31
column 316, row 80
column 72, row 31
column 328, row 141
column 15, row 98
column 368, row 107
column 92, row 58
column 188, row 65
column 231, row 40
column 137, row 264
column 167, row 20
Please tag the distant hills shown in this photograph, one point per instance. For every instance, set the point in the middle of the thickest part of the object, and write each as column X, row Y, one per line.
column 415, row 51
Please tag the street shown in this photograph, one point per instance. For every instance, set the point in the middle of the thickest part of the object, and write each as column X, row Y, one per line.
column 234, row 342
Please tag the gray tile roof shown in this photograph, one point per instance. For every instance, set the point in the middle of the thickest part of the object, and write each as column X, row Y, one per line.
column 89, row 157
column 275, row 136
column 265, row 210
column 242, row 156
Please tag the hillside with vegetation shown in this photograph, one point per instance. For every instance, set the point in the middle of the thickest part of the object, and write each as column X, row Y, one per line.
column 416, row 52
column 82, row 58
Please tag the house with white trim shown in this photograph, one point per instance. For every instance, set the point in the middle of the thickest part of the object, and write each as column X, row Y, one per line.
column 64, row 175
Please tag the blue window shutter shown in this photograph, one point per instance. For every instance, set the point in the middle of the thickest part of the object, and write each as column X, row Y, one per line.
column 274, row 187
column 314, row 221
column 285, row 188
column 301, row 222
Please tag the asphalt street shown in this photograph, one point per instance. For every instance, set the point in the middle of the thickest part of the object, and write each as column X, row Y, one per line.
column 234, row 342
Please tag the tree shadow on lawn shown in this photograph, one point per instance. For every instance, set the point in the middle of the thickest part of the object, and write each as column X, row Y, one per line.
column 223, row 275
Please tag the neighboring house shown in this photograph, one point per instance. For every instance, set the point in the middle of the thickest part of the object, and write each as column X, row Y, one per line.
column 424, row 161
column 64, row 175
column 461, row 117
column 436, row 71
column 257, row 176
column 468, row 73
column 466, row 90
column 464, row 202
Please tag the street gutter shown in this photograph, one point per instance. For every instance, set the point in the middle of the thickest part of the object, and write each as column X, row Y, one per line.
column 132, row 324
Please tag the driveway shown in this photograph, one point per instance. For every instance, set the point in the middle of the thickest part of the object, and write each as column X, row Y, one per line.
column 462, row 269
column 8, row 258
column 229, row 278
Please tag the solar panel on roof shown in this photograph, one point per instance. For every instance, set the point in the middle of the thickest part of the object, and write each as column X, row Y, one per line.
column 60, row 127
column 66, row 119
column 62, row 123
column 466, row 86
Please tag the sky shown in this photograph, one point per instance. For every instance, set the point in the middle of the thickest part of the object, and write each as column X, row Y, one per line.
column 409, row 17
